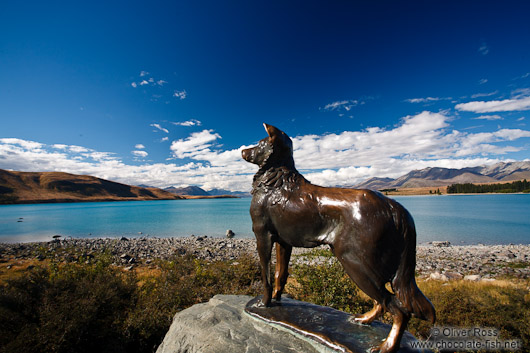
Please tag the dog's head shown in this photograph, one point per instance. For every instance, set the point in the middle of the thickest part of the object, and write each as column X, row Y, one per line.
column 275, row 150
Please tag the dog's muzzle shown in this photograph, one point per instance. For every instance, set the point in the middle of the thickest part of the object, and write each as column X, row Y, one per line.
column 247, row 154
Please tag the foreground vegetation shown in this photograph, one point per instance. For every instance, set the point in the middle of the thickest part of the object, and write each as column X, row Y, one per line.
column 91, row 305
column 96, row 307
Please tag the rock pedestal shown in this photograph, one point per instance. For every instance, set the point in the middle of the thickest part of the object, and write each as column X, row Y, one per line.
column 222, row 325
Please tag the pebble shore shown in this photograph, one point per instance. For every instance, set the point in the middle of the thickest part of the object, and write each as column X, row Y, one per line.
column 437, row 260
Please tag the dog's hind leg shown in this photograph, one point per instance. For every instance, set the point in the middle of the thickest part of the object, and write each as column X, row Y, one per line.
column 368, row 317
column 400, row 320
column 283, row 254
column 374, row 286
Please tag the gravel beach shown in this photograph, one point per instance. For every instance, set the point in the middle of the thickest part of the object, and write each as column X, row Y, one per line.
column 437, row 260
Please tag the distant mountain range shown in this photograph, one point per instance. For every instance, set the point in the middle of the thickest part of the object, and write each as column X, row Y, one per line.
column 197, row 191
column 35, row 187
column 434, row 177
column 188, row 190
column 44, row 187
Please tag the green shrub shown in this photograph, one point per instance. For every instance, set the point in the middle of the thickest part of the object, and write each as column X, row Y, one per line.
column 327, row 285
column 95, row 307
column 72, row 308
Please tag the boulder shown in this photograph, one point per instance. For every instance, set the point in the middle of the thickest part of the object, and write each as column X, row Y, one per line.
column 453, row 275
column 437, row 276
column 472, row 278
column 220, row 326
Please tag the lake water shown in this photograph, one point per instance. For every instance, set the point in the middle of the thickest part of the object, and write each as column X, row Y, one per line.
column 461, row 219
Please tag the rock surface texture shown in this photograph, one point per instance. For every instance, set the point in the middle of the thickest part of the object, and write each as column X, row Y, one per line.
column 221, row 326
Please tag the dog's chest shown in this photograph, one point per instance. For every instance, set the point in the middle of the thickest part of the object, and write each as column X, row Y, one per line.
column 295, row 219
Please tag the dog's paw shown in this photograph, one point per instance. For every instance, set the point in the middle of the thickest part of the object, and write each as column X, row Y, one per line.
column 385, row 347
column 359, row 321
column 261, row 304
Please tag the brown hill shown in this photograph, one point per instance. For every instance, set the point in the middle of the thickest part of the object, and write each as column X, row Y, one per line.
column 44, row 187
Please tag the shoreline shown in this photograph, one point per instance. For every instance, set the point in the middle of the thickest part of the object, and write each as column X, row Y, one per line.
column 400, row 192
column 93, row 200
column 438, row 261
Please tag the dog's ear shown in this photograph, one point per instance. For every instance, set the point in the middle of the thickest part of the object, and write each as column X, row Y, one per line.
column 274, row 133
column 278, row 137
column 271, row 130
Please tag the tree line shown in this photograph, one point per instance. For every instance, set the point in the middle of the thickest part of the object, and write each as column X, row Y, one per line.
column 468, row 188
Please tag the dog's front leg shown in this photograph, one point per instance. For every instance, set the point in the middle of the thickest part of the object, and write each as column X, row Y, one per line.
column 283, row 254
column 264, row 243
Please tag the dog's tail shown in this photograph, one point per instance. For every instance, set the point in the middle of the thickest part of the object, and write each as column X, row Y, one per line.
column 404, row 283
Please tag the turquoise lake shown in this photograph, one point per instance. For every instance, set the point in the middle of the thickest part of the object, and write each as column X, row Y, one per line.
column 461, row 219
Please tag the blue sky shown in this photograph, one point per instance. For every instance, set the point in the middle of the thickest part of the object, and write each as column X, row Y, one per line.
column 167, row 93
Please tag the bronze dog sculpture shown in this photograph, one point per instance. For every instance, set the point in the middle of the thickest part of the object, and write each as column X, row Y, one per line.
column 372, row 236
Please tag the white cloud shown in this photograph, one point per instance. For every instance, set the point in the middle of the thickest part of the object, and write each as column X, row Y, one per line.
column 17, row 154
column 192, row 122
column 142, row 154
column 30, row 145
column 180, row 94
column 521, row 118
column 422, row 100
column 479, row 95
column 160, row 128
column 427, row 99
column 419, row 141
column 164, row 139
column 506, row 105
column 420, row 135
column 483, row 81
column 78, row 149
column 488, row 117
column 197, row 143
column 484, row 48
column 342, row 105
column 149, row 83
column 521, row 93
column 416, row 142
column 139, row 146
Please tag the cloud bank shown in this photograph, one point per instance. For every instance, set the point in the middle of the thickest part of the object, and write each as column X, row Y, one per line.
column 417, row 141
